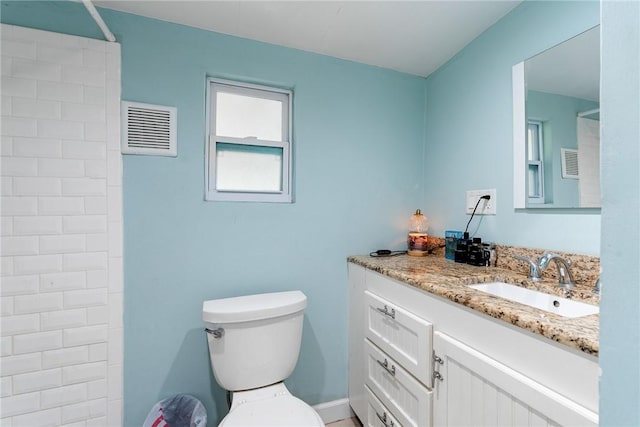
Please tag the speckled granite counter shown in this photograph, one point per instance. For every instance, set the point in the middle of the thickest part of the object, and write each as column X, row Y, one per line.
column 447, row 279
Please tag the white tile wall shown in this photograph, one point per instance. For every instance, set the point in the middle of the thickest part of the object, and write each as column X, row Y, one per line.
column 61, row 330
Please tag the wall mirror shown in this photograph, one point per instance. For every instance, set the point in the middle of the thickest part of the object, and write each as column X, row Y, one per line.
column 557, row 126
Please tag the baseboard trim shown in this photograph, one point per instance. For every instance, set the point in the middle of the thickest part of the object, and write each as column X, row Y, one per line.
column 335, row 410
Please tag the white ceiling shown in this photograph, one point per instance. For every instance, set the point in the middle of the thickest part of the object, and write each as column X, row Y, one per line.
column 414, row 37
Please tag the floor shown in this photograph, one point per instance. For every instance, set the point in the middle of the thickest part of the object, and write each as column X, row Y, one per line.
column 349, row 422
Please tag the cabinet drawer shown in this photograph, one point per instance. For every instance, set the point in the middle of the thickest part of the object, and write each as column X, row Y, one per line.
column 377, row 414
column 407, row 399
column 401, row 334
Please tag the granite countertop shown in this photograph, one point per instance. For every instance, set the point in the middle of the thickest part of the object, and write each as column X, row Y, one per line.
column 449, row 280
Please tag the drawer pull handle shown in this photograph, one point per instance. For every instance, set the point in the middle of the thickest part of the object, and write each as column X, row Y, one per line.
column 383, row 419
column 385, row 365
column 386, row 311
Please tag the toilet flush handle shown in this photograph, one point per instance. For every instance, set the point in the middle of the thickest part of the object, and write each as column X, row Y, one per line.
column 217, row 333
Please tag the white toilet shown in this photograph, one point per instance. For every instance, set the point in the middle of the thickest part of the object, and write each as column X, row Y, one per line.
column 254, row 343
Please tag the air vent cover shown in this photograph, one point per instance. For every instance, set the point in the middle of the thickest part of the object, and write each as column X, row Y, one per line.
column 569, row 163
column 149, row 129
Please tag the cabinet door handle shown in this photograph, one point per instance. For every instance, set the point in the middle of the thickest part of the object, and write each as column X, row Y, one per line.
column 386, row 311
column 385, row 365
column 383, row 419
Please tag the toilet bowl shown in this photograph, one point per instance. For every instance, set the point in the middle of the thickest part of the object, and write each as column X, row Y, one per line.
column 254, row 342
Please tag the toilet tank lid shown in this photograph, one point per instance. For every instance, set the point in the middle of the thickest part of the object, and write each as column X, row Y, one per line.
column 253, row 307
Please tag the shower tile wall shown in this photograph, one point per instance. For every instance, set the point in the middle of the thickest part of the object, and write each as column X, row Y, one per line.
column 61, row 358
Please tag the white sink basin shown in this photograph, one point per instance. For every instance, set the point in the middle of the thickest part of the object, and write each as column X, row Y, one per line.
column 551, row 303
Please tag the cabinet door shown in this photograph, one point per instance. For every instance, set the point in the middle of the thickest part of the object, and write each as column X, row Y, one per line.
column 408, row 400
column 377, row 413
column 401, row 334
column 357, row 396
column 475, row 390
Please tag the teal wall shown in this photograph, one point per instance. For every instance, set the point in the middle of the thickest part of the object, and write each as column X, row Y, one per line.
column 620, row 161
column 469, row 132
column 358, row 141
column 558, row 113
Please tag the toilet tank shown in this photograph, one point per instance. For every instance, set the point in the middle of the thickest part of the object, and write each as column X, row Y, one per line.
column 254, row 340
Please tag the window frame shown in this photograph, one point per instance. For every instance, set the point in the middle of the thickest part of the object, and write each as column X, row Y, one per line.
column 256, row 91
column 537, row 163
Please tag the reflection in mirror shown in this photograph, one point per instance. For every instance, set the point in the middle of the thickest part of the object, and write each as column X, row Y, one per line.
column 557, row 127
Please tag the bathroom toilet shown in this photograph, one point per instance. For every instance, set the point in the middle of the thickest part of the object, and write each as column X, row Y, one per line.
column 254, row 342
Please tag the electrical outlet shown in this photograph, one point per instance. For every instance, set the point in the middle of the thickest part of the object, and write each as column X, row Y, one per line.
column 485, row 207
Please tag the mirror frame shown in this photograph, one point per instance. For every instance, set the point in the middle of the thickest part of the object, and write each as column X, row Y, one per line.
column 519, row 137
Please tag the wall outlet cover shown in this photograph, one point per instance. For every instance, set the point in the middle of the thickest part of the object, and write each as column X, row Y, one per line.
column 486, row 207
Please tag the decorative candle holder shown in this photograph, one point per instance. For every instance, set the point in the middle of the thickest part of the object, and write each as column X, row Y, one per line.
column 417, row 240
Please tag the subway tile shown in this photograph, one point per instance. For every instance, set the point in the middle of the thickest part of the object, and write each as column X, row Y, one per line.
column 49, row 417
column 6, row 226
column 19, row 245
column 115, row 239
column 84, row 187
column 19, row 166
column 69, row 243
column 98, row 353
column 38, row 303
column 37, row 147
column 85, row 150
column 88, row 76
column 115, row 310
column 35, row 381
column 12, row 86
column 62, row 281
column 98, row 407
column 114, row 199
column 59, row 129
column 39, row 341
column 97, row 279
column 19, row 126
column 97, row 389
column 37, row 70
column 68, row 56
column 18, row 364
column 6, row 186
column 5, row 65
column 58, row 91
column 83, row 373
column 83, row 112
column 19, row 285
column 98, row 315
column 63, row 395
column 55, row 320
column 96, row 131
column 20, row 404
column 28, row 186
column 24, row 49
column 7, row 268
column 114, row 168
column 37, row 225
column 15, row 206
column 116, row 349
column 94, row 95
column 65, row 357
column 36, row 108
column 6, row 306
column 116, row 281
column 96, row 205
column 85, row 261
column 93, row 58
column 6, row 349
column 85, row 335
column 76, row 412
column 95, row 168
column 6, row 386
column 20, row 324
column 6, row 142
column 97, row 242
column 100, row 422
column 60, row 205
column 86, row 298
column 84, row 224
column 60, row 168
column 6, row 110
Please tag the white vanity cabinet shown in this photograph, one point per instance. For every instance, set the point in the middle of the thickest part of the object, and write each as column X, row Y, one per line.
column 455, row 366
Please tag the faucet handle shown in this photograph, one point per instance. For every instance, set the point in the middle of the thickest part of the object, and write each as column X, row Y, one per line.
column 534, row 270
column 597, row 288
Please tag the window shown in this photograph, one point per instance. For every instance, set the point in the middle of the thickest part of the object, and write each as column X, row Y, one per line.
column 249, row 143
column 535, row 158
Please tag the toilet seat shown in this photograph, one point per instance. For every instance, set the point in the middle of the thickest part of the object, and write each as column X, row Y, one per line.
column 270, row 406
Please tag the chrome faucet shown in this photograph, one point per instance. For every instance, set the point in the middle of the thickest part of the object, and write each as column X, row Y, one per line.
column 534, row 270
column 565, row 278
